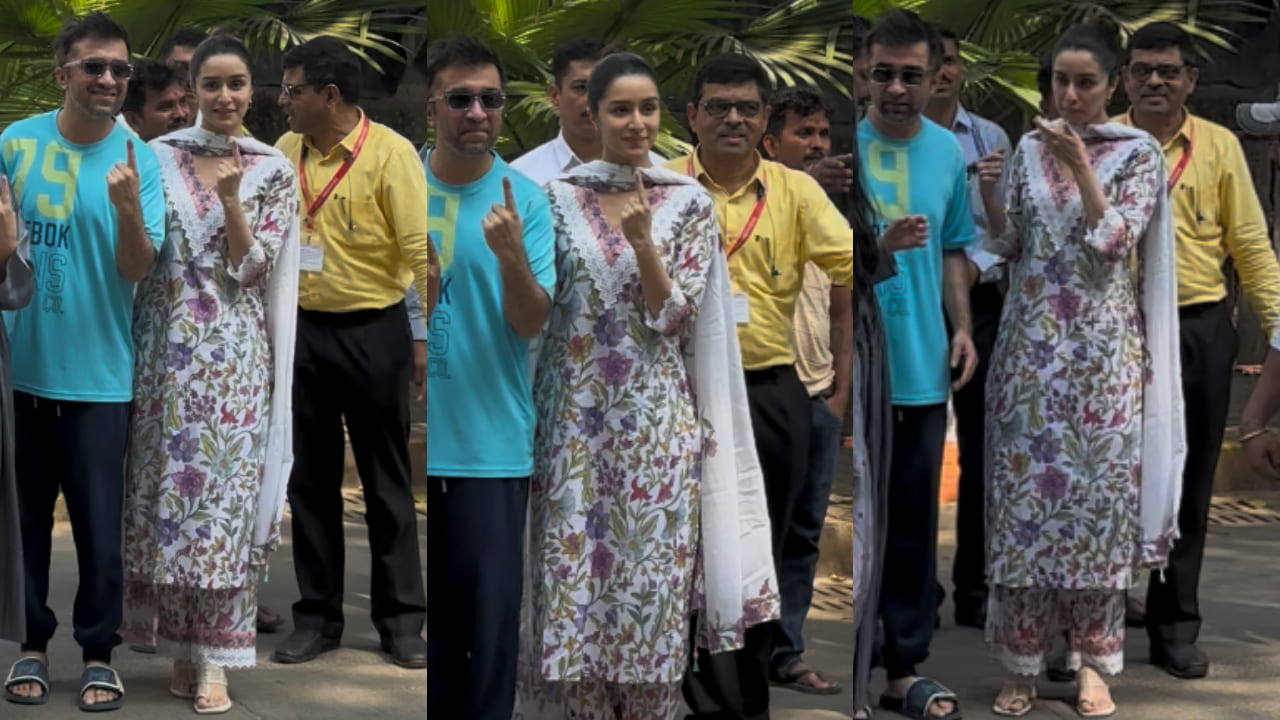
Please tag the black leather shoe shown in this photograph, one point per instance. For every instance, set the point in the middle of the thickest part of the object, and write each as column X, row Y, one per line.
column 303, row 646
column 1181, row 661
column 407, row 651
column 971, row 614
column 1061, row 675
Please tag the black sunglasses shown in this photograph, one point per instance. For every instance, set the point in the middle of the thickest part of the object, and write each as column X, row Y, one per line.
column 910, row 77
column 97, row 67
column 463, row 100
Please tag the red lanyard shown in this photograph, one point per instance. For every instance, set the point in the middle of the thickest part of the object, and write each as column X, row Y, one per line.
column 761, row 197
column 313, row 205
column 1185, row 160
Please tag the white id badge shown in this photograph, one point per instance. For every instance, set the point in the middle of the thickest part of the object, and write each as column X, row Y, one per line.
column 741, row 309
column 311, row 258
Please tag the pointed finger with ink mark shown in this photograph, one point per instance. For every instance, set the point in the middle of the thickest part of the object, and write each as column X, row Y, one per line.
column 508, row 194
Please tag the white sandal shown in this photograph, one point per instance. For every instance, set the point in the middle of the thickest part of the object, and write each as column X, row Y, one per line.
column 1090, row 708
column 1019, row 702
column 210, row 675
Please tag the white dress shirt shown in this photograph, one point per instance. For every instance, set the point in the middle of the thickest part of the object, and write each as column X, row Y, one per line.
column 552, row 159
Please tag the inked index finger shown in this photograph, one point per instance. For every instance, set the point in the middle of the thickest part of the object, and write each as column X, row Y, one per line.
column 508, row 194
column 131, row 156
column 4, row 190
column 644, row 199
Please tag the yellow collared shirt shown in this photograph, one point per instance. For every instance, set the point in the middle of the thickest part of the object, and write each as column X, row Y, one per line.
column 799, row 224
column 1217, row 214
column 373, row 227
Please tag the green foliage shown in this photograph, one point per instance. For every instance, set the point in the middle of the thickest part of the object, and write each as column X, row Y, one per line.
column 1003, row 40
column 799, row 42
column 26, row 57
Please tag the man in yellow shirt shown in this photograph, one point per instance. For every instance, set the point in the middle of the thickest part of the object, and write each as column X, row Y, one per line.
column 364, row 238
column 774, row 221
column 1217, row 216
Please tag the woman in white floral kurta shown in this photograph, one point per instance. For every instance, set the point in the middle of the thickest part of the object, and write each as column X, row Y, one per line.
column 203, row 385
column 614, row 503
column 1065, row 401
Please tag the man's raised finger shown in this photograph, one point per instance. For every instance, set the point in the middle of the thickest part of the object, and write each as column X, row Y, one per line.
column 131, row 155
column 4, row 190
column 508, row 194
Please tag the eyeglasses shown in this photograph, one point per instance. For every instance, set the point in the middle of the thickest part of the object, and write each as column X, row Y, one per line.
column 910, row 77
column 719, row 109
column 291, row 91
column 1142, row 71
column 463, row 100
column 97, row 67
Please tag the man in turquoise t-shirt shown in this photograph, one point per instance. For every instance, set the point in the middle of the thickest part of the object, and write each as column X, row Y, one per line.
column 92, row 201
column 914, row 167
column 492, row 230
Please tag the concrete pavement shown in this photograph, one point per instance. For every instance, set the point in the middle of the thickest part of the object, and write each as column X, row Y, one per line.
column 355, row 681
column 1240, row 601
column 1240, row 597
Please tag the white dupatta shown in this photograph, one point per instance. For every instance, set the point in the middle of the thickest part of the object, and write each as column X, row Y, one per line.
column 741, row 586
column 282, row 326
column 1164, row 430
column 280, row 302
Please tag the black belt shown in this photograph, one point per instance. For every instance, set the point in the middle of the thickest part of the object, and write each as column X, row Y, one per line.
column 1198, row 309
column 351, row 318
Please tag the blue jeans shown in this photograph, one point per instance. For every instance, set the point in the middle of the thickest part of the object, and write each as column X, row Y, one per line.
column 800, row 548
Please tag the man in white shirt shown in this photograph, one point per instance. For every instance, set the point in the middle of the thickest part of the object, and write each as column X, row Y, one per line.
column 985, row 146
column 578, row 141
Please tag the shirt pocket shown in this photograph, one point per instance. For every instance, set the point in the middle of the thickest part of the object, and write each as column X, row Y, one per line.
column 363, row 224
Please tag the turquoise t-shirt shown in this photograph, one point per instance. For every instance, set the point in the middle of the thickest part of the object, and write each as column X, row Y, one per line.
column 480, row 416
column 74, row 341
column 925, row 175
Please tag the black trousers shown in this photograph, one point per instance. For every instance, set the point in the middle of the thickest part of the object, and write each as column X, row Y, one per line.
column 354, row 366
column 1208, row 352
column 968, row 573
column 735, row 686
column 475, row 576
column 908, row 593
column 78, row 448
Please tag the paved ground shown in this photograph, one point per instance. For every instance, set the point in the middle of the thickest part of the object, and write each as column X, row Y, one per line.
column 354, row 681
column 1240, row 595
column 1241, row 603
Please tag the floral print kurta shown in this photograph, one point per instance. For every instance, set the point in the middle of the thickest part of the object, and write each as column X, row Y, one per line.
column 614, row 508
column 1064, row 403
column 202, row 386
